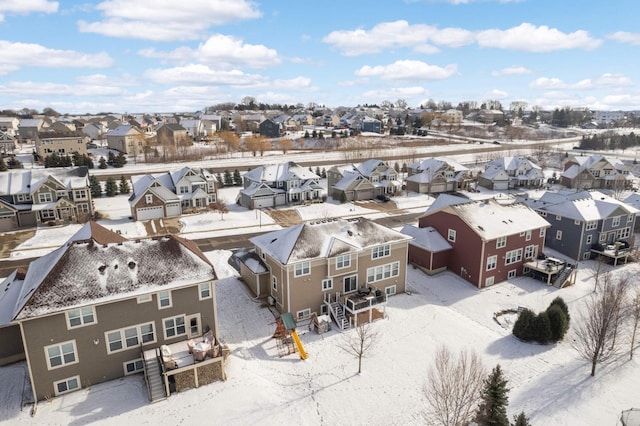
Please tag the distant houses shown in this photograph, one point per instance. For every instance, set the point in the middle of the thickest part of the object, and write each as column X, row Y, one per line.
column 365, row 181
column 436, row 175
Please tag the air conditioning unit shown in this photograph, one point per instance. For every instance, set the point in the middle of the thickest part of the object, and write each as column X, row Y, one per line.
column 272, row 300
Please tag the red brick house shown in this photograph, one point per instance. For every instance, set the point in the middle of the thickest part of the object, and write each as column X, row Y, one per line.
column 489, row 242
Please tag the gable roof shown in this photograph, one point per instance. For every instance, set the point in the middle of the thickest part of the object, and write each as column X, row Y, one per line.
column 279, row 172
column 96, row 265
column 325, row 238
column 25, row 181
column 427, row 238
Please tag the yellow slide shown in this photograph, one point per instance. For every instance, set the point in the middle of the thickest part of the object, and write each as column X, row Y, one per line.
column 303, row 354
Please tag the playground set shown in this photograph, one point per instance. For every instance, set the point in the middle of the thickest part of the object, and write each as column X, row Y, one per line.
column 287, row 336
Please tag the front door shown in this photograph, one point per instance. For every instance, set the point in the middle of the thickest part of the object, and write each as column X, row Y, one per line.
column 193, row 326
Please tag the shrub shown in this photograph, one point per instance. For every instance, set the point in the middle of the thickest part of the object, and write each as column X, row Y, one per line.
column 542, row 328
column 523, row 326
column 558, row 322
column 558, row 301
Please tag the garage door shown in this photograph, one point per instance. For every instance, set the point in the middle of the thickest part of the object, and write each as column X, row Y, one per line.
column 501, row 186
column 146, row 213
column 173, row 210
column 7, row 223
column 259, row 203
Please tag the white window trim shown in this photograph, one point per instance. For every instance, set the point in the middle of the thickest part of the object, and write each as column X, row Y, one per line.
column 512, row 273
column 501, row 242
column 543, row 231
column 161, row 299
column 144, row 298
column 393, row 270
column 299, row 268
column 328, row 281
column 615, row 221
column 123, row 338
column 451, row 235
column 175, row 326
column 591, row 225
column 586, row 255
column 527, row 236
column 390, row 290
column 274, row 283
column 380, row 251
column 559, row 235
column 303, row 314
column 344, row 281
column 63, row 364
column 492, row 260
column 513, row 256
column 530, row 251
column 589, row 239
column 202, row 290
column 81, row 316
column 489, row 281
column 148, row 198
column 343, row 261
column 55, row 385
column 135, row 371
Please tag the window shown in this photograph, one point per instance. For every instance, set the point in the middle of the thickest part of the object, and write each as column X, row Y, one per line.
column 66, row 385
column 83, row 208
column 164, row 299
column 623, row 233
column 513, row 256
column 343, row 261
column 274, row 283
column 129, row 337
column 380, row 251
column 45, row 198
column 390, row 290
column 350, row 284
column 511, row 274
column 143, row 298
column 589, row 238
column 305, row 313
column 80, row 193
column 148, row 198
column 327, row 284
column 501, row 242
column 324, row 309
column 527, row 236
column 603, row 237
column 530, row 252
column 542, row 232
column 615, row 221
column 451, row 235
column 591, row 225
column 205, row 290
column 80, row 317
column 174, row 327
column 488, row 281
column 302, row 268
column 491, row 262
column 183, row 190
column 133, row 367
column 558, row 234
column 586, row 255
column 383, row 272
column 61, row 354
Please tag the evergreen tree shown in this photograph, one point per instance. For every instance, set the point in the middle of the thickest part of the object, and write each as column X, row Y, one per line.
column 558, row 301
column 94, row 187
column 396, row 167
column 523, row 325
column 343, row 197
column 237, row 178
column 111, row 157
column 120, row 160
column 14, row 163
column 66, row 161
column 3, row 165
column 219, row 178
column 318, row 171
column 306, row 134
column 542, row 328
column 404, row 167
column 102, row 163
column 494, row 400
column 110, row 187
column 323, row 173
column 521, row 420
column 228, row 179
column 124, row 185
column 557, row 322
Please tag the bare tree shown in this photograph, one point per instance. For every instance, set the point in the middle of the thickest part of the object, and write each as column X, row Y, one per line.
column 634, row 315
column 596, row 335
column 453, row 386
column 220, row 206
column 360, row 341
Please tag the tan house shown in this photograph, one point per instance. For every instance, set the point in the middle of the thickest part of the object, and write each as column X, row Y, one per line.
column 127, row 139
column 102, row 307
column 341, row 267
column 436, row 175
column 61, row 143
column 365, row 181
column 596, row 171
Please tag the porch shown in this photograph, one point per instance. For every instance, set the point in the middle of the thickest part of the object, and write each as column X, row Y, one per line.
column 183, row 365
column 613, row 253
column 365, row 305
column 551, row 271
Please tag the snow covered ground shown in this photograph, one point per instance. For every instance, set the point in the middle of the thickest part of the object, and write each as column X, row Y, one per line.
column 550, row 383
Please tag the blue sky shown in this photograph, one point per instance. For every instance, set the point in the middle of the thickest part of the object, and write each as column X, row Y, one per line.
column 163, row 55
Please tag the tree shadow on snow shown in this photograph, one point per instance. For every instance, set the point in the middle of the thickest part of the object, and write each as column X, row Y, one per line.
column 508, row 347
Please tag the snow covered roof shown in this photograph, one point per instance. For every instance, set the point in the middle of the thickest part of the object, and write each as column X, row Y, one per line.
column 24, row 181
column 96, row 265
column 279, row 172
column 324, row 238
column 348, row 177
column 436, row 163
column 427, row 238
column 512, row 163
column 123, row 130
column 9, row 292
column 494, row 172
column 587, row 209
column 444, row 200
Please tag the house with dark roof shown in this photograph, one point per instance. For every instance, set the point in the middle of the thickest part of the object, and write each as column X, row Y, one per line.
column 436, row 175
column 511, row 172
column 364, row 181
column 34, row 197
column 586, row 224
column 342, row 267
column 170, row 194
column 596, row 172
column 278, row 185
column 270, row 128
column 102, row 307
column 490, row 242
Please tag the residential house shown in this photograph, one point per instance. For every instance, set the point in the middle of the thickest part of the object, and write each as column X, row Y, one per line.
column 34, row 197
column 333, row 266
column 436, row 175
column 194, row 128
column 270, row 128
column 170, row 194
column 173, row 134
column 595, row 172
column 428, row 250
column 371, row 125
column 511, row 172
column 365, row 181
column 491, row 116
column 61, row 143
column 127, row 139
column 95, row 131
column 100, row 308
column 489, row 242
column 8, row 144
column 9, row 125
column 277, row 185
column 585, row 223
column 28, row 128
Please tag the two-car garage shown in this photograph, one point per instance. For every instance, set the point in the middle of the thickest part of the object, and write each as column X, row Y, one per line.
column 147, row 213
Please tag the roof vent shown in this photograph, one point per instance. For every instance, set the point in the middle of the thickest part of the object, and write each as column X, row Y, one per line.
column 115, row 266
column 131, row 264
column 102, row 268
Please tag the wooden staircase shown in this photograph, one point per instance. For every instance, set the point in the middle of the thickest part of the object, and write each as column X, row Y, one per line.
column 561, row 279
column 155, row 386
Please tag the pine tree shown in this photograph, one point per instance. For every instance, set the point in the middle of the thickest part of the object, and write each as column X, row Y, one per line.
column 102, row 163
column 557, row 322
column 559, row 301
column 3, row 165
column 524, row 324
column 494, row 400
column 120, row 160
column 111, row 157
column 521, row 420
column 318, row 172
column 237, row 177
column 124, row 185
column 220, row 181
column 228, row 179
column 542, row 328
column 323, row 173
column 94, row 187
column 110, row 187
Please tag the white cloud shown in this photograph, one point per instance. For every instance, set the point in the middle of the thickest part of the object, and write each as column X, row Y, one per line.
column 625, row 37
column 40, row 89
column 497, row 94
column 453, row 37
column 605, row 80
column 18, row 55
column 198, row 74
column 513, row 70
column 164, row 20
column 378, row 95
column 548, row 83
column 408, row 70
column 24, row 7
column 528, row 37
column 222, row 51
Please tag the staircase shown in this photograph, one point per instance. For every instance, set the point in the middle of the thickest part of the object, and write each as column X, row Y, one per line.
column 154, row 380
column 337, row 312
column 562, row 276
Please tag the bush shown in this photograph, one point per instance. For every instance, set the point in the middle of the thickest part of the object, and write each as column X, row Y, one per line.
column 523, row 327
column 558, row 301
column 558, row 322
column 547, row 326
column 542, row 328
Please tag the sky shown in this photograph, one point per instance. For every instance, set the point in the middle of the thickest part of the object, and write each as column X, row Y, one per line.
column 165, row 56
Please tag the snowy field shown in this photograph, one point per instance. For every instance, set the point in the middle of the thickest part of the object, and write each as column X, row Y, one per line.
column 550, row 383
